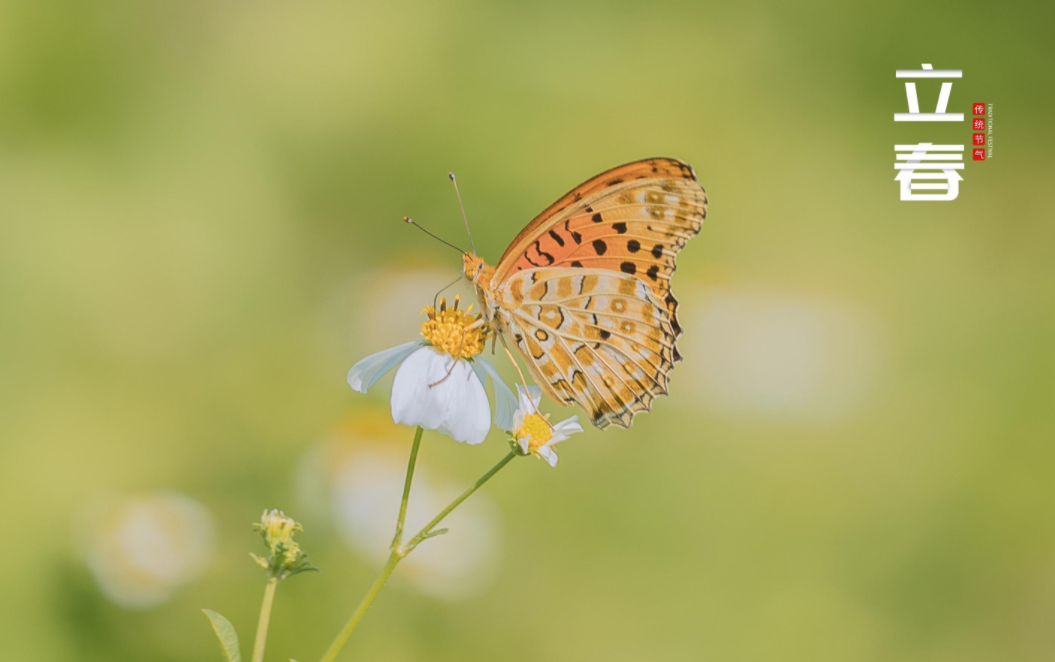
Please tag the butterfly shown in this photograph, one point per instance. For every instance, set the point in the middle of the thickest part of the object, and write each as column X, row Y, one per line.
column 584, row 290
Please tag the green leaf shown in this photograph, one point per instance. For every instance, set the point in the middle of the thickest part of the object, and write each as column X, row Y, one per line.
column 226, row 634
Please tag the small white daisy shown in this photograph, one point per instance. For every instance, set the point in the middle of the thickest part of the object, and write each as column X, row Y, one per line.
column 535, row 434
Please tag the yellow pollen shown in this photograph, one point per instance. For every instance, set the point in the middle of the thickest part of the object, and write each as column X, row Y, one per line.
column 539, row 429
column 448, row 329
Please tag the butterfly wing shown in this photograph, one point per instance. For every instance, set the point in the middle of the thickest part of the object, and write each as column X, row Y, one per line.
column 632, row 219
column 585, row 287
column 597, row 338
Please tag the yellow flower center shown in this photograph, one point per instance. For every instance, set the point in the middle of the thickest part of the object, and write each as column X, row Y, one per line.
column 539, row 429
column 451, row 330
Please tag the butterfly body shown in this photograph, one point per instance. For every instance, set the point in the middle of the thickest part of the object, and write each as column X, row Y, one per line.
column 583, row 292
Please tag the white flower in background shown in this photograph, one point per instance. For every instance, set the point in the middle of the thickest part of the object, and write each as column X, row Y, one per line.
column 357, row 485
column 758, row 353
column 440, row 381
column 534, row 433
column 141, row 550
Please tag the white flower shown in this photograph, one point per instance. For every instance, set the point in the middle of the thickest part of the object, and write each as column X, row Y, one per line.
column 455, row 405
column 534, row 433
column 141, row 549
column 440, row 381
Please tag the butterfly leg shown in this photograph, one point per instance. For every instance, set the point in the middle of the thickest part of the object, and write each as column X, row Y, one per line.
column 523, row 381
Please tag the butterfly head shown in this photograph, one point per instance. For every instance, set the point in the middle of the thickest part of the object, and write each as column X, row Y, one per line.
column 476, row 271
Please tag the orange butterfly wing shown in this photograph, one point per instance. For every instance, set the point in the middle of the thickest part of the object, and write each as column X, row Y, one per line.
column 634, row 219
column 630, row 221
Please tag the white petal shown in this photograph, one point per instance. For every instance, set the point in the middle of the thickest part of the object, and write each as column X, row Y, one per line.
column 469, row 416
column 366, row 372
column 456, row 406
column 524, row 402
column 569, row 425
column 524, row 442
column 536, row 396
column 505, row 401
column 565, row 429
column 413, row 402
column 548, row 454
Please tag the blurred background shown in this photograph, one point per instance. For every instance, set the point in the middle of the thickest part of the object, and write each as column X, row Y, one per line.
column 200, row 233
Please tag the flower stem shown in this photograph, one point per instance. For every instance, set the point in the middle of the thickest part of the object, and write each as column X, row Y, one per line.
column 265, row 619
column 398, row 539
column 400, row 551
column 424, row 533
column 360, row 611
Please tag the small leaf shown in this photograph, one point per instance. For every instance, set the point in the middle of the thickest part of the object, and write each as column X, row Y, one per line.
column 226, row 634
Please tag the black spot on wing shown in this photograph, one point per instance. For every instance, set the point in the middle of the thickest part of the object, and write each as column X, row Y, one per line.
column 596, row 218
column 542, row 254
column 628, row 268
column 600, row 246
column 619, row 227
column 557, row 238
column 672, row 306
column 633, row 245
column 574, row 235
column 657, row 251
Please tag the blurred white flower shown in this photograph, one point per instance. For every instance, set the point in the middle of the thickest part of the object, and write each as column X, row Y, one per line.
column 358, row 484
column 140, row 550
column 440, row 381
column 757, row 353
column 534, row 433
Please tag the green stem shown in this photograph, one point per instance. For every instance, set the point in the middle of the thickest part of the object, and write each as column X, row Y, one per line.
column 400, row 551
column 265, row 619
column 360, row 611
column 398, row 539
column 424, row 533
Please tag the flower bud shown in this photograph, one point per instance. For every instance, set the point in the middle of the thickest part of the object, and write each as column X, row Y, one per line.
column 286, row 558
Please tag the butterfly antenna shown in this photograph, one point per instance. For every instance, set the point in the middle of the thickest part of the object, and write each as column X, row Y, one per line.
column 418, row 226
column 464, row 217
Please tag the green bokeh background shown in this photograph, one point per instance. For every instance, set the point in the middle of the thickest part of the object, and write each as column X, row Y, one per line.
column 186, row 190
